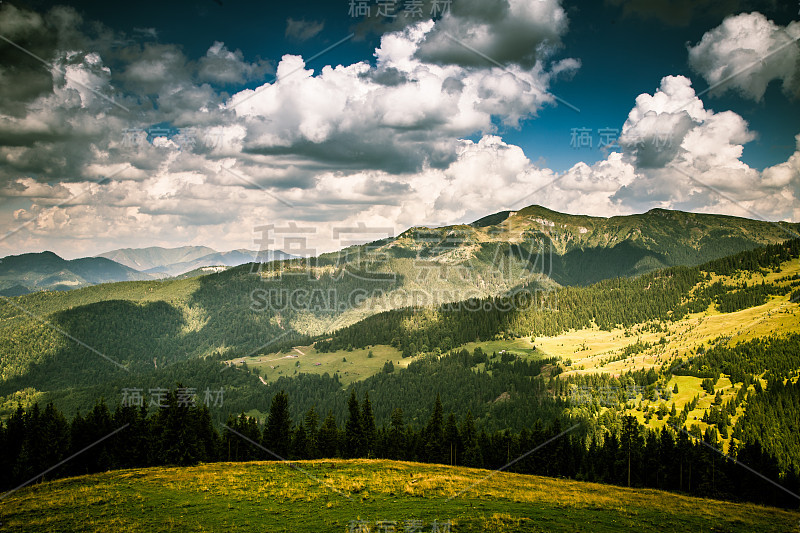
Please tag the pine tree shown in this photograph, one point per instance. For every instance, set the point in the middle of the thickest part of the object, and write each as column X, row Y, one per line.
column 434, row 434
column 277, row 433
column 452, row 439
column 299, row 442
column 630, row 447
column 353, row 432
column 312, row 431
column 368, row 427
column 397, row 443
column 472, row 453
column 329, row 437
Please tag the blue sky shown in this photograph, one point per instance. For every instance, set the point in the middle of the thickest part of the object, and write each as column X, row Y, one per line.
column 280, row 158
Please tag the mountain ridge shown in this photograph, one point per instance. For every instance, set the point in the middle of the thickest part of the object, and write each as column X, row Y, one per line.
column 169, row 262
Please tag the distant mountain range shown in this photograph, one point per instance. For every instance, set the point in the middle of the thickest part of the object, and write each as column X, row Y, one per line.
column 21, row 274
column 25, row 273
column 567, row 249
column 170, row 262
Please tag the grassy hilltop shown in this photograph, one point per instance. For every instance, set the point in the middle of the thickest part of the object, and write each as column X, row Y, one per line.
column 331, row 495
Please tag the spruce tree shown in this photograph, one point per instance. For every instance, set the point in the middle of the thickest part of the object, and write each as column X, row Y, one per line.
column 434, row 434
column 312, row 434
column 452, row 440
column 397, row 444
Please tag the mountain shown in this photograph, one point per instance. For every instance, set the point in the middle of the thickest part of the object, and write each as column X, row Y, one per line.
column 256, row 309
column 20, row 274
column 585, row 249
column 170, row 262
column 665, row 295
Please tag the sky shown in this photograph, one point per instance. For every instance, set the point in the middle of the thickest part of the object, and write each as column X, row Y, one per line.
column 309, row 126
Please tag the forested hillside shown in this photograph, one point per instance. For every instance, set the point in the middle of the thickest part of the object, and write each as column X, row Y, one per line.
column 533, row 311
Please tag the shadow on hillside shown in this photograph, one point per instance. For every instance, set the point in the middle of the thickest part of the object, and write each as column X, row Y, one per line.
column 99, row 339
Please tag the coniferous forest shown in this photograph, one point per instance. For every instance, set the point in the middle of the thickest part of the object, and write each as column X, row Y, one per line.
column 181, row 433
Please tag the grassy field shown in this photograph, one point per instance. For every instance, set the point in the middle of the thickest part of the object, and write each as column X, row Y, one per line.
column 352, row 365
column 521, row 347
column 334, row 495
column 355, row 365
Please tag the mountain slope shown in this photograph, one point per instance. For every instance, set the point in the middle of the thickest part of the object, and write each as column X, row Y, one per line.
column 663, row 296
column 586, row 249
column 252, row 309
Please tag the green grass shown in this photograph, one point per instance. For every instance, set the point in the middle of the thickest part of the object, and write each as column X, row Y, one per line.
column 268, row 496
column 522, row 347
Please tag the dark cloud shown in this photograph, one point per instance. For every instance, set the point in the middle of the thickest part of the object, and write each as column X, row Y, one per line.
column 392, row 152
column 504, row 31
column 452, row 85
column 226, row 67
column 303, row 30
column 507, row 31
column 387, row 76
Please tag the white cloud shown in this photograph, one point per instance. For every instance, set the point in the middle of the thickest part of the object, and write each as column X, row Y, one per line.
column 349, row 117
column 687, row 157
column 746, row 52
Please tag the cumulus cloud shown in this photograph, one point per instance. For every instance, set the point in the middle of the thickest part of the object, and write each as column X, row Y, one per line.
column 746, row 52
column 22, row 78
column 401, row 115
column 684, row 156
